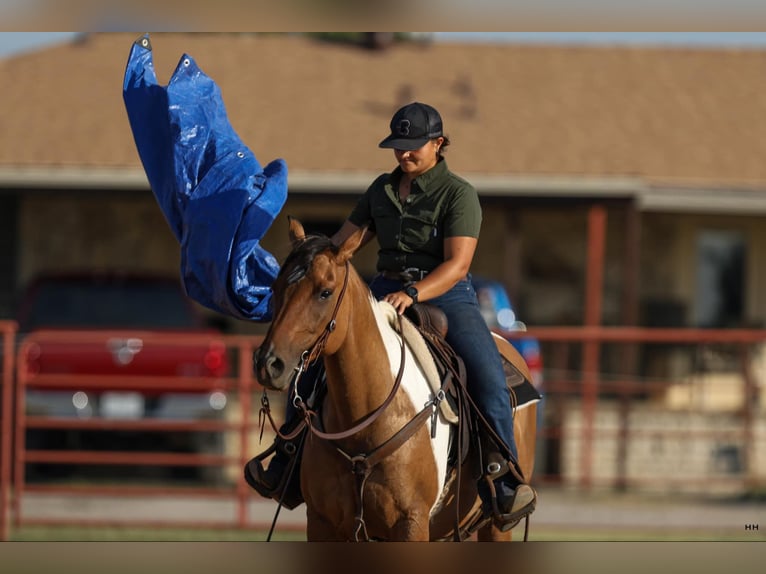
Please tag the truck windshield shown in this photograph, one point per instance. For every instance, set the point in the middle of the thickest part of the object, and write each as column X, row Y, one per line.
column 109, row 305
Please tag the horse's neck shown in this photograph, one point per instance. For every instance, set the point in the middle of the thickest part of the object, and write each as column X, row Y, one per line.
column 359, row 375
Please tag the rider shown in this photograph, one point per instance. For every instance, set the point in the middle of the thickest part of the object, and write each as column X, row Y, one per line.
column 427, row 222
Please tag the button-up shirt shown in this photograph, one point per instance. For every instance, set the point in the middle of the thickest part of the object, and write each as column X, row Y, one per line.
column 411, row 233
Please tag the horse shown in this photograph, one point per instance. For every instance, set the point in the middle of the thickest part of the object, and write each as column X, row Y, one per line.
column 362, row 476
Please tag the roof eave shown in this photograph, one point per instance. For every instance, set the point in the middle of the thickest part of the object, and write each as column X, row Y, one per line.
column 86, row 177
column 657, row 198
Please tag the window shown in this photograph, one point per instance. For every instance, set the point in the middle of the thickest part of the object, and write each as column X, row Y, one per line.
column 720, row 298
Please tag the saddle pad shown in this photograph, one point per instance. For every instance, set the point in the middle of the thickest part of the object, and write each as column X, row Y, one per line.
column 417, row 345
column 525, row 393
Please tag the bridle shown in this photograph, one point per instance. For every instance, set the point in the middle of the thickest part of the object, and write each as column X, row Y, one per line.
column 310, row 356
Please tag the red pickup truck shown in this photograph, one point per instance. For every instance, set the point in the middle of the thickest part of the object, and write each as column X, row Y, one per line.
column 108, row 334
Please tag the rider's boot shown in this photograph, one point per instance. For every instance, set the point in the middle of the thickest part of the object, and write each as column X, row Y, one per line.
column 281, row 479
column 506, row 497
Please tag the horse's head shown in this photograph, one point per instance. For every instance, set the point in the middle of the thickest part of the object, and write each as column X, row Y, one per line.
column 308, row 317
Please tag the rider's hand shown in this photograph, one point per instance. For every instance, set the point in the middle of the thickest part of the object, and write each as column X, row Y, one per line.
column 400, row 301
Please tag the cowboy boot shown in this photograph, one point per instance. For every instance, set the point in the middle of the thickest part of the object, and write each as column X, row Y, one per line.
column 504, row 494
column 511, row 504
column 281, row 479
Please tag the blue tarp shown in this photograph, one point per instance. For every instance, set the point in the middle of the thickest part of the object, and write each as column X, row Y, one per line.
column 215, row 195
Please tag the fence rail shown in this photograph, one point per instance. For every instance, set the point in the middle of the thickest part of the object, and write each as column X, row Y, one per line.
column 597, row 420
column 7, row 342
column 594, row 371
column 240, row 383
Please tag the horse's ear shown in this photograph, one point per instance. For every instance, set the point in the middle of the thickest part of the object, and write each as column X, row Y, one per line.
column 351, row 244
column 296, row 230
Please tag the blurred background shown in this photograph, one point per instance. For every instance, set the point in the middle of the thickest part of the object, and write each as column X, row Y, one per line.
column 624, row 194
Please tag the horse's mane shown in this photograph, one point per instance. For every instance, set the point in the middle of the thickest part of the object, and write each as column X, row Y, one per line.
column 299, row 260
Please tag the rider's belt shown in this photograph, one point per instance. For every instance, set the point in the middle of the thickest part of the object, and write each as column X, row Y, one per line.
column 414, row 274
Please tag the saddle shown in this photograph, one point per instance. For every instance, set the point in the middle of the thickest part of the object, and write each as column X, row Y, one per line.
column 470, row 430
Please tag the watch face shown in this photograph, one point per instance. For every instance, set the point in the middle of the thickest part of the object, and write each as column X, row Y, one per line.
column 412, row 292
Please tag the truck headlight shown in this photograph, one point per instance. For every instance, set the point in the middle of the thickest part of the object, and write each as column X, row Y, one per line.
column 217, row 400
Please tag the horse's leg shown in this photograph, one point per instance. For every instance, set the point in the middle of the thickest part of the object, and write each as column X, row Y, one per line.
column 320, row 530
column 412, row 528
column 488, row 533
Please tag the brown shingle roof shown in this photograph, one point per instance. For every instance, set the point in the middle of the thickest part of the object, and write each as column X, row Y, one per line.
column 672, row 115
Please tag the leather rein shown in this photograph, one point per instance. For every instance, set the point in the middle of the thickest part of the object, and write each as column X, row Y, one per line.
column 363, row 463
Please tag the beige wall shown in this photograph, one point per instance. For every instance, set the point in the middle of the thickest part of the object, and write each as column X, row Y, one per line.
column 552, row 285
column 538, row 253
column 669, row 258
column 656, row 459
column 60, row 233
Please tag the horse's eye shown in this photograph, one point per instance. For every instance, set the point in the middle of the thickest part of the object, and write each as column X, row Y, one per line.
column 325, row 294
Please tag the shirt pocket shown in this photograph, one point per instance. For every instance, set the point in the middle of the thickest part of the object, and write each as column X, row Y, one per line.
column 420, row 230
column 386, row 221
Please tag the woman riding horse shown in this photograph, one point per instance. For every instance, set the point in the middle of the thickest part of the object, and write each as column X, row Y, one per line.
column 427, row 222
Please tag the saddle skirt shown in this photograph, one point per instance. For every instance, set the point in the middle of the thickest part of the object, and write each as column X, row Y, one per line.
column 423, row 356
column 517, row 376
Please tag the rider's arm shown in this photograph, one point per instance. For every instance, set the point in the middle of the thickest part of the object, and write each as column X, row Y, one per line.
column 458, row 254
column 346, row 230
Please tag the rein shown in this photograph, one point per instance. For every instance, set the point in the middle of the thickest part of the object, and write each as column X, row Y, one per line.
column 369, row 418
column 308, row 357
column 311, row 355
column 363, row 463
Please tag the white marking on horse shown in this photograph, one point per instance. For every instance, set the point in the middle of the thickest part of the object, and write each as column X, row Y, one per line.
column 416, row 386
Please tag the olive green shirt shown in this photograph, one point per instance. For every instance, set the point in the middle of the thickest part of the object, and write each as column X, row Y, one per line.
column 412, row 233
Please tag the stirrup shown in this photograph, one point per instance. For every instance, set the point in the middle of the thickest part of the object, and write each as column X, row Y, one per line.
column 286, row 491
column 505, row 522
column 255, row 474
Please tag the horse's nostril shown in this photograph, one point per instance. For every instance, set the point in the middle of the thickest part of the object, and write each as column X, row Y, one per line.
column 274, row 366
column 267, row 365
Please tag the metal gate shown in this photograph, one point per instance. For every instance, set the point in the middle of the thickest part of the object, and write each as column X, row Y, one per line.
column 595, row 427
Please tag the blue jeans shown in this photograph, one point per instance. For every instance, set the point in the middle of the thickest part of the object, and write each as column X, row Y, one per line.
column 469, row 335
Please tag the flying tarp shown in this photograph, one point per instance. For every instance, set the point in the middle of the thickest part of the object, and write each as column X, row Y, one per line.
column 217, row 198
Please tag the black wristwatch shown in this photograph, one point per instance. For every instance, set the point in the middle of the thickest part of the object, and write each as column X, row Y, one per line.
column 412, row 292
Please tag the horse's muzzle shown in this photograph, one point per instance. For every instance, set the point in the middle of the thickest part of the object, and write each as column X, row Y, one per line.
column 269, row 369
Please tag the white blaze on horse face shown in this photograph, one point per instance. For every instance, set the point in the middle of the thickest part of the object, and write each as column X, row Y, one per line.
column 416, row 386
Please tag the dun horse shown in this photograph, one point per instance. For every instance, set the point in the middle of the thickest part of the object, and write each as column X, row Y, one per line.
column 374, row 466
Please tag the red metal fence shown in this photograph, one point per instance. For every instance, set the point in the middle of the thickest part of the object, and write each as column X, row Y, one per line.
column 579, row 367
column 597, row 366
column 7, row 342
column 240, row 385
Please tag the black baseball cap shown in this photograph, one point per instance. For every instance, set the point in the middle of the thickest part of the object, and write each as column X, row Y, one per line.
column 412, row 126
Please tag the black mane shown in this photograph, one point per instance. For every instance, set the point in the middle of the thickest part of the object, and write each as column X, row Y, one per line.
column 299, row 260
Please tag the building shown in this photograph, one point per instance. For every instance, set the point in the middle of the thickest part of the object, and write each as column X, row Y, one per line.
column 667, row 141
column 651, row 155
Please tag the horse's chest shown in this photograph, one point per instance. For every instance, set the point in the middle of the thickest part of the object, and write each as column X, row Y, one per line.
column 400, row 485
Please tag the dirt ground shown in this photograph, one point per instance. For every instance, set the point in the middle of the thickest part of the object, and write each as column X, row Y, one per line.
column 570, row 514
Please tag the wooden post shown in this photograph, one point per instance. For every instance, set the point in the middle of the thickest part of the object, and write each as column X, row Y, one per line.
column 8, row 335
column 629, row 318
column 592, row 348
